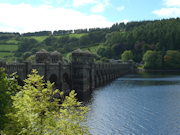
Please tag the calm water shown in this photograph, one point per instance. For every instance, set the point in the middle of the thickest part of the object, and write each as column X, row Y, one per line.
column 137, row 104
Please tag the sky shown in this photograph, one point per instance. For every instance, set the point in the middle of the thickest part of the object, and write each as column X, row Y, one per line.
column 39, row 15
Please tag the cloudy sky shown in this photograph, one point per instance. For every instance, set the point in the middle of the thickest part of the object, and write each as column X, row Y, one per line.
column 37, row 15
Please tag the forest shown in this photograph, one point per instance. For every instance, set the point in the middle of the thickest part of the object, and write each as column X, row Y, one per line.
column 155, row 44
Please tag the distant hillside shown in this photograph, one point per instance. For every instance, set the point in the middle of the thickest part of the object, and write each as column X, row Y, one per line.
column 138, row 37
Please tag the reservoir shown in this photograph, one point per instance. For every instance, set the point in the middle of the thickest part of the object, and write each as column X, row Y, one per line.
column 137, row 104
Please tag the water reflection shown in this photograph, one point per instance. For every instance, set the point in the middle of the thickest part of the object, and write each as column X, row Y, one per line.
column 137, row 104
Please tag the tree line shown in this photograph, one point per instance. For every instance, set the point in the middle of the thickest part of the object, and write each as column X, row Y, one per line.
column 4, row 35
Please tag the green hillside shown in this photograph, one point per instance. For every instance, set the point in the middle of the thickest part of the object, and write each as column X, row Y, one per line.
column 158, row 39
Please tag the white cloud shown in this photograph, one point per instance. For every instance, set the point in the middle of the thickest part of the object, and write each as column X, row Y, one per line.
column 125, row 21
column 26, row 18
column 168, row 12
column 172, row 9
column 98, row 8
column 172, row 3
column 120, row 8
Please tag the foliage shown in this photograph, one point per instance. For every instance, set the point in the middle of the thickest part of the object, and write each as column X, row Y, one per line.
column 152, row 60
column 172, row 59
column 8, row 87
column 126, row 56
column 159, row 60
column 40, row 33
column 31, row 58
column 37, row 112
column 139, row 37
column 105, row 52
column 104, row 59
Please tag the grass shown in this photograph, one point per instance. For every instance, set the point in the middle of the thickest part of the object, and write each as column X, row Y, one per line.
column 13, row 41
column 77, row 35
column 10, row 41
column 10, row 48
column 93, row 49
column 73, row 35
column 2, row 54
column 42, row 38
column 38, row 38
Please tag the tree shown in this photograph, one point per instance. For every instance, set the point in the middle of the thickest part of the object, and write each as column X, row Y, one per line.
column 172, row 59
column 153, row 60
column 37, row 112
column 8, row 87
column 104, row 59
column 126, row 55
column 84, row 40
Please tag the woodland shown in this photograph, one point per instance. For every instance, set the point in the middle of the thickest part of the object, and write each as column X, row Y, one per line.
column 152, row 44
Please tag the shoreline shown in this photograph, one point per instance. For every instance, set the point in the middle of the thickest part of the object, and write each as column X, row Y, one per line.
column 155, row 70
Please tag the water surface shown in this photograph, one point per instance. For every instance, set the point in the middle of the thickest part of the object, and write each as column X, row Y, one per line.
column 141, row 103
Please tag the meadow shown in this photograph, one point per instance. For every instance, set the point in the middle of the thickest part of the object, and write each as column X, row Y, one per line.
column 8, row 48
column 3, row 54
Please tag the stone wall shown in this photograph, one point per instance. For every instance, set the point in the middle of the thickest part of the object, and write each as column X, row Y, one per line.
column 81, row 74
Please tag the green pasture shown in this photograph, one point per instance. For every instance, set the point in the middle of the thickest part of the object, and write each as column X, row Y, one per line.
column 93, row 49
column 10, row 41
column 38, row 38
column 73, row 35
column 13, row 41
column 77, row 35
column 2, row 54
column 42, row 38
column 10, row 48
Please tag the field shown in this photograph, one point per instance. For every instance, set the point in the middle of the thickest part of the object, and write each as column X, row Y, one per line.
column 2, row 54
column 77, row 35
column 72, row 35
column 9, row 48
column 38, row 38
column 92, row 49
column 42, row 38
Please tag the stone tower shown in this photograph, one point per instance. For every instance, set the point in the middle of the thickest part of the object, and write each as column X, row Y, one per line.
column 43, row 56
column 82, row 71
column 56, row 57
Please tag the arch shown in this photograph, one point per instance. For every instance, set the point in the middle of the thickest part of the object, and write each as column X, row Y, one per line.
column 66, row 86
column 20, row 82
column 54, row 79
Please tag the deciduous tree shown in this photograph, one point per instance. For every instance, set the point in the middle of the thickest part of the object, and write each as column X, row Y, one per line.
column 126, row 55
column 37, row 112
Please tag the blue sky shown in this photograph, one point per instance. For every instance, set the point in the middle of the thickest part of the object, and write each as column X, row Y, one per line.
column 37, row 15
